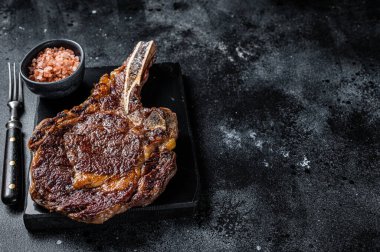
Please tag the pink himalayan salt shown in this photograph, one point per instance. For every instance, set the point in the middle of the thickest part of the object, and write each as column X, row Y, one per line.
column 53, row 64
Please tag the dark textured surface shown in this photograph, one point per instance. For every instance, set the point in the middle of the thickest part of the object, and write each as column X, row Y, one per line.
column 285, row 111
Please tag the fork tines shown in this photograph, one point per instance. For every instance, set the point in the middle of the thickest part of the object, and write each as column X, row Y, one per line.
column 15, row 89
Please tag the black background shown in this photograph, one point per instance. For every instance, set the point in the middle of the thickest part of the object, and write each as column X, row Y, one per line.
column 285, row 108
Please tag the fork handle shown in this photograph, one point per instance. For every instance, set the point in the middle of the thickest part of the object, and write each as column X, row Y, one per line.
column 13, row 164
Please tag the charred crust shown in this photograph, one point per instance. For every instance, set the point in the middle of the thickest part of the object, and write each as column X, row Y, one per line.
column 96, row 134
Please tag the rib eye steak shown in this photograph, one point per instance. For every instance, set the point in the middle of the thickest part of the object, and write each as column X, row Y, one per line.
column 109, row 153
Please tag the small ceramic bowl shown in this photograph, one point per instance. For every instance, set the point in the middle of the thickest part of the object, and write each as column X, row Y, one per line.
column 56, row 89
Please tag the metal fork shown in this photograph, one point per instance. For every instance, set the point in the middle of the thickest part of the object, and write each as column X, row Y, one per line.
column 13, row 160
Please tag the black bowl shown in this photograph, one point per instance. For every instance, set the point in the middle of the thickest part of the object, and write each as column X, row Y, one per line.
column 56, row 89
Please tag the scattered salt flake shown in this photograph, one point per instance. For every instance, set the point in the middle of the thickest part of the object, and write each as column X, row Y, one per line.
column 242, row 53
column 252, row 134
column 45, row 30
column 59, row 242
column 239, row 53
column 96, row 58
column 259, row 144
column 231, row 137
column 258, row 247
column 305, row 162
column 285, row 153
column 93, row 11
column 222, row 47
column 21, row 28
column 231, row 59
column 266, row 164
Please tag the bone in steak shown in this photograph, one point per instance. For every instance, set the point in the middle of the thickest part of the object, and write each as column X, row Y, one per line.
column 109, row 153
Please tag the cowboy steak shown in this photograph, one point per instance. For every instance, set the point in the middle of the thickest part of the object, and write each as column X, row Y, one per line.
column 109, row 153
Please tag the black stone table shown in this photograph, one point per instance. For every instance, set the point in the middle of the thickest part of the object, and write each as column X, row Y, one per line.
column 285, row 109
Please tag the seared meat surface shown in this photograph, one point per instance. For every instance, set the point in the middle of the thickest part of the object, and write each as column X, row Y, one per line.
column 109, row 153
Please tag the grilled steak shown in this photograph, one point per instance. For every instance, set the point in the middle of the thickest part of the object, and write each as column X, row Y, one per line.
column 109, row 153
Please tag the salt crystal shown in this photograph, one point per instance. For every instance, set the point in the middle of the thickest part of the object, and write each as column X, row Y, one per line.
column 51, row 62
